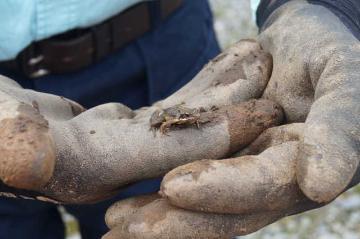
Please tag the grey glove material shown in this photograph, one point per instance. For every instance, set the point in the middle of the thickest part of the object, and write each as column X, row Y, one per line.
column 303, row 164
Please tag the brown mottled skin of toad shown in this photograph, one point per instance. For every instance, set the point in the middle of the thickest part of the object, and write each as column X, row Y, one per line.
column 177, row 115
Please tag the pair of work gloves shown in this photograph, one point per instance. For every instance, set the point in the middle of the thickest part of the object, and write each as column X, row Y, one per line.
column 305, row 67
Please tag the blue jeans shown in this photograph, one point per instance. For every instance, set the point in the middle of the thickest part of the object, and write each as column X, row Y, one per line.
column 147, row 70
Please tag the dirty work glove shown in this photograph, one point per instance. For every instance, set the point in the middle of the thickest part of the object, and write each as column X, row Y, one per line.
column 301, row 165
column 53, row 149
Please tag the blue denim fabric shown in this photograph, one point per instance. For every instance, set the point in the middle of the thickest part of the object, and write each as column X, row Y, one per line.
column 145, row 71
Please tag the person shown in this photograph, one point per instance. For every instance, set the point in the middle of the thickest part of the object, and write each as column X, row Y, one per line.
column 301, row 165
column 314, row 79
column 146, row 69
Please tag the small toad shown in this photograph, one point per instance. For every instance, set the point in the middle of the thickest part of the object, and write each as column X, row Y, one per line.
column 177, row 115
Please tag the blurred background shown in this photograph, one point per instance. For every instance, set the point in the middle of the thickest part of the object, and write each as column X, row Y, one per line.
column 235, row 20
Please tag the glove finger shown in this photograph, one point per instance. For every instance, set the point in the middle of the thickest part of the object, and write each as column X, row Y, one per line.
column 162, row 221
column 247, row 184
column 245, row 62
column 128, row 151
column 330, row 154
column 120, row 211
column 272, row 137
column 27, row 150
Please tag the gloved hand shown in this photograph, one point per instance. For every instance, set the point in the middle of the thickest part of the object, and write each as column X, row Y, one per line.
column 288, row 169
column 55, row 150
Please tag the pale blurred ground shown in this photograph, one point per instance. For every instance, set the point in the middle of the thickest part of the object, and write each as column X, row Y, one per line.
column 229, row 24
column 234, row 20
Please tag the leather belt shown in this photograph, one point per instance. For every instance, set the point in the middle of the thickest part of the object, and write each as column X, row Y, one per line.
column 80, row 48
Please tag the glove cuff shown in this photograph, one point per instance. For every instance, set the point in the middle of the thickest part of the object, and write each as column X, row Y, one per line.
column 347, row 10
